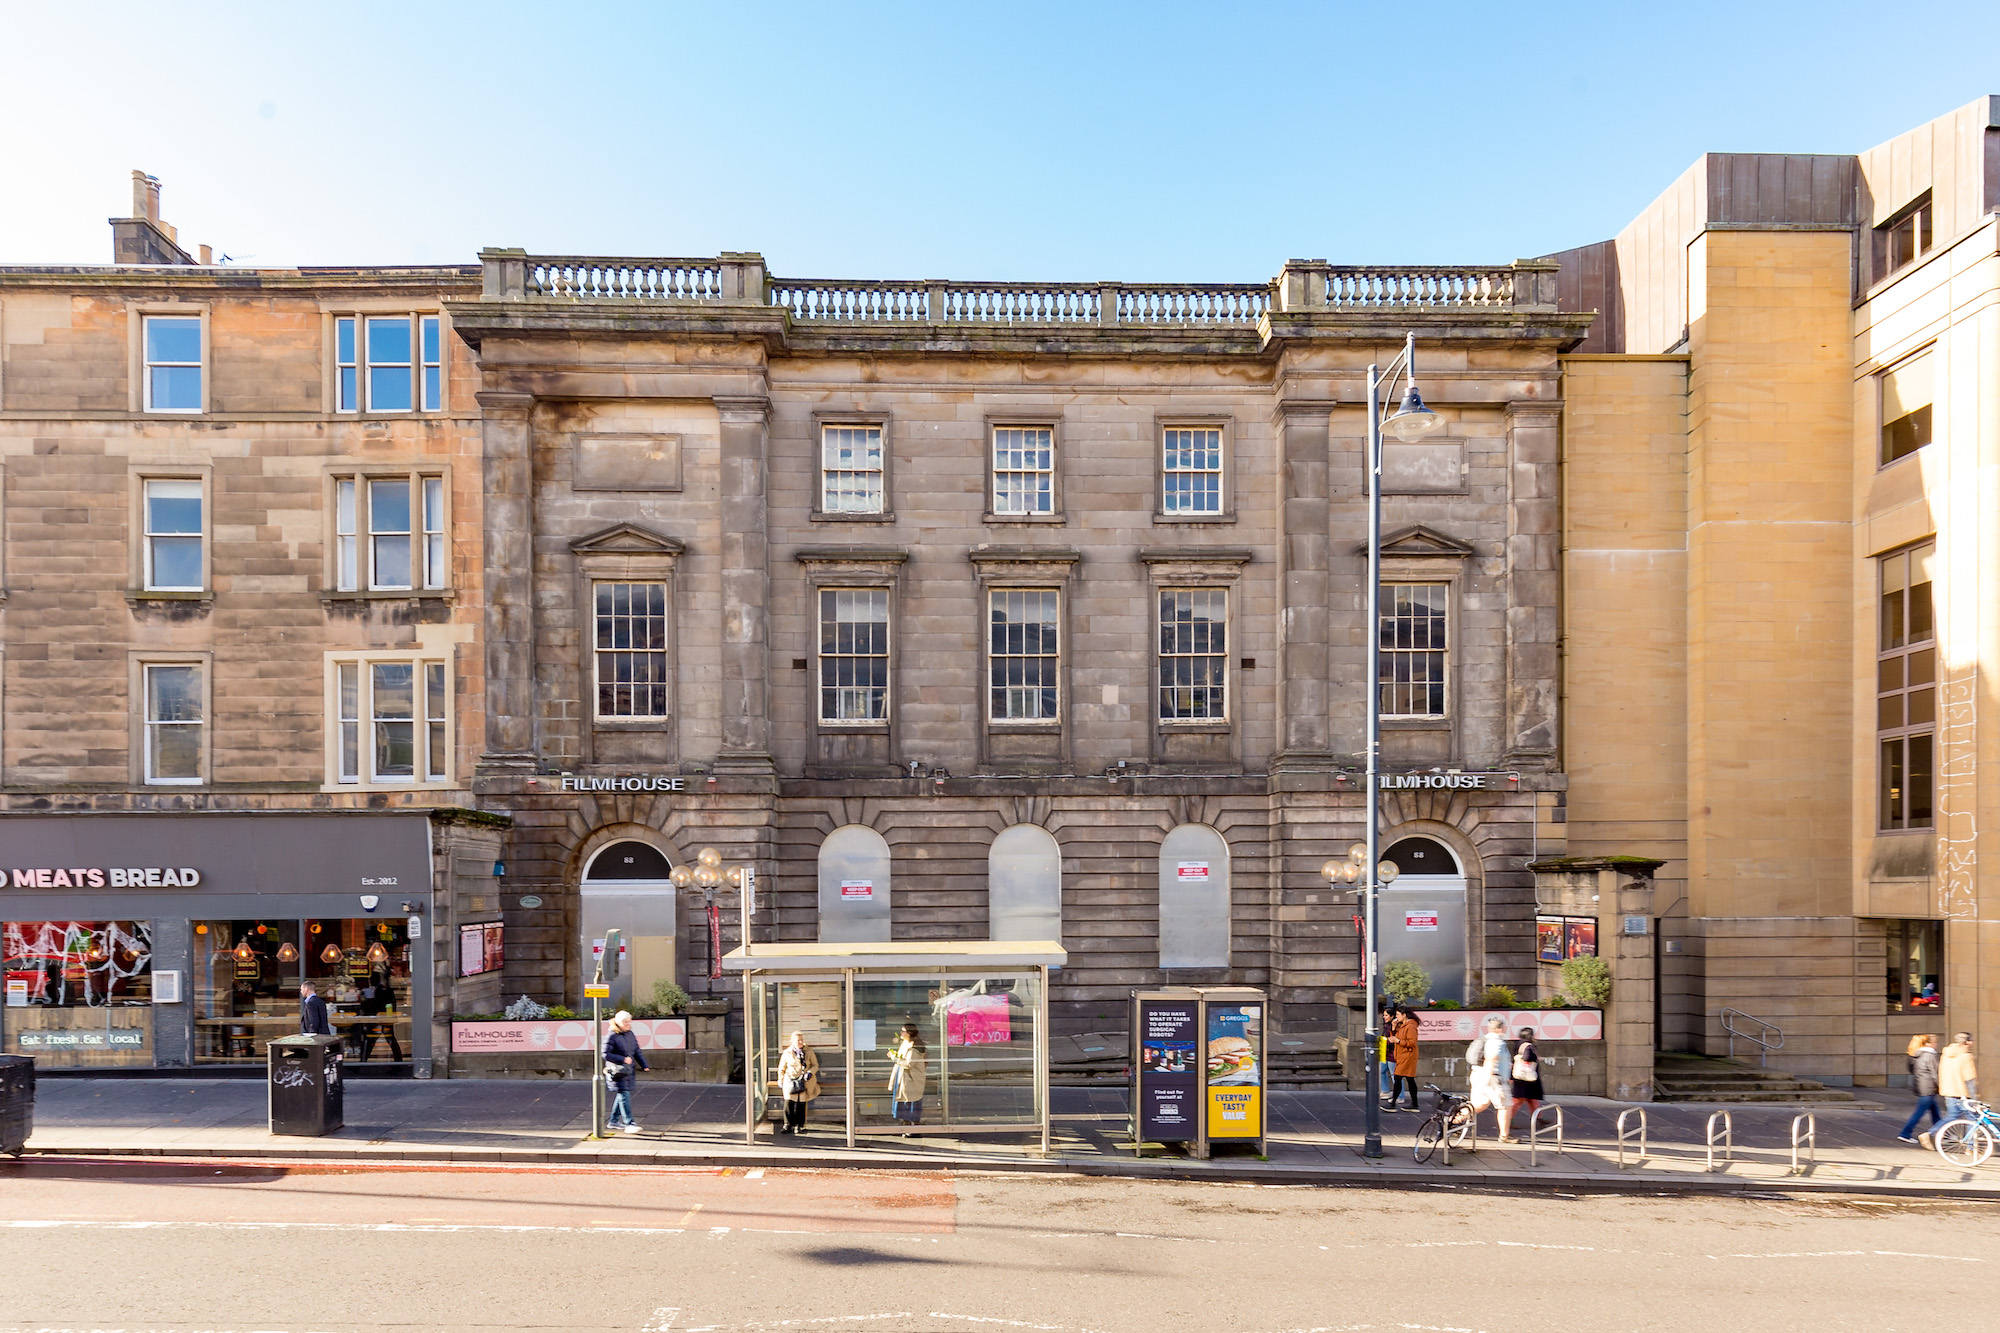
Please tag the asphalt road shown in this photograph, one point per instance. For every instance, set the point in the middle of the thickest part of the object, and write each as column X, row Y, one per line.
column 223, row 1248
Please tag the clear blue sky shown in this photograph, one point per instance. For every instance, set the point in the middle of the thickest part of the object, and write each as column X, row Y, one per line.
column 1063, row 141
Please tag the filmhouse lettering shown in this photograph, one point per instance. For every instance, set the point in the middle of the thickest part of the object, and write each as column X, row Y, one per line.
column 134, row 877
column 571, row 782
column 1434, row 781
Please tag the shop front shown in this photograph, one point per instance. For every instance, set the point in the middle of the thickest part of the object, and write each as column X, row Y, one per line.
column 183, row 940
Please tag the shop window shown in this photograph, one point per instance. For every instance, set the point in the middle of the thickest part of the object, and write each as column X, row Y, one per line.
column 246, row 977
column 1915, row 966
column 391, row 721
column 1412, row 659
column 79, row 994
column 1906, row 690
column 1907, row 396
column 1194, row 898
column 853, row 886
column 1194, row 654
column 388, row 363
column 1024, row 885
column 389, row 533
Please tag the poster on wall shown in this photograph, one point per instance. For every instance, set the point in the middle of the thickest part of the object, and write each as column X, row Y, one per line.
column 811, row 1008
column 851, row 889
column 1192, row 871
column 1580, row 938
column 496, row 950
column 1169, row 1078
column 1549, row 939
column 1420, row 919
column 976, row 1020
column 1235, row 1080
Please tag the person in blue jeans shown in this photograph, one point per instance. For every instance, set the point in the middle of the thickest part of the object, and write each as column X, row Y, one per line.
column 1392, row 1013
column 1958, row 1076
column 1924, row 1077
column 622, row 1062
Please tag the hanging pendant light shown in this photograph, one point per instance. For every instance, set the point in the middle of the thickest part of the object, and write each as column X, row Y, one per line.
column 330, row 954
column 314, row 927
column 95, row 953
column 262, row 929
column 286, row 953
column 244, row 953
column 377, row 954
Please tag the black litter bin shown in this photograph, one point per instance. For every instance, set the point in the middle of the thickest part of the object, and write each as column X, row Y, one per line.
column 306, row 1088
column 17, row 1102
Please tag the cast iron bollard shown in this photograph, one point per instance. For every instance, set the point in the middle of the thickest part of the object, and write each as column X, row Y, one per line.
column 1728, row 1137
column 1535, row 1129
column 1811, row 1141
column 1624, row 1133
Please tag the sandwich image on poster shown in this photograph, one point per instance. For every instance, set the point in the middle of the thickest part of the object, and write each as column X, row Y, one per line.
column 1235, row 1091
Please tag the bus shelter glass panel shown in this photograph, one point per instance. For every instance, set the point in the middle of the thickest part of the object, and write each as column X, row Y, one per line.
column 979, row 1040
column 812, row 1007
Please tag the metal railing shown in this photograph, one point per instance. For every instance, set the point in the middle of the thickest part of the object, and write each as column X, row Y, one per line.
column 1624, row 1134
column 1728, row 1138
column 1810, row 1140
column 1767, row 1037
column 1535, row 1129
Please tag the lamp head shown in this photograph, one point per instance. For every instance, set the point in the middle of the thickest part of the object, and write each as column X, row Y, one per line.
column 1413, row 421
column 1386, row 872
column 1358, row 853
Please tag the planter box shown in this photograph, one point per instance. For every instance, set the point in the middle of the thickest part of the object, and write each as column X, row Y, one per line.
column 1550, row 1024
column 17, row 1102
column 689, row 1049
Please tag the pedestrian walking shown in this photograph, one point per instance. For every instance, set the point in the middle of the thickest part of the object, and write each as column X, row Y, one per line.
column 1487, row 1059
column 1404, row 1046
column 906, row 1076
column 622, row 1062
column 1385, row 1069
column 798, row 1080
column 1526, row 1078
column 1924, row 1078
column 313, row 1018
column 1958, row 1075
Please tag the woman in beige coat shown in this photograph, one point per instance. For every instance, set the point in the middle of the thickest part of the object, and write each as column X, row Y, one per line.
column 798, row 1080
column 906, row 1076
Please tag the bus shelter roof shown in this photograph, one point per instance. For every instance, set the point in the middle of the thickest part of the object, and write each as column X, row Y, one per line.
column 900, row 954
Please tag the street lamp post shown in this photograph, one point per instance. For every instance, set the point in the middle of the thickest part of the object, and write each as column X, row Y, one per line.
column 1411, row 421
column 708, row 874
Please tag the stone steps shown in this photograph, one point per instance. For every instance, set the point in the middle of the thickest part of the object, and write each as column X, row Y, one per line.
column 1702, row 1079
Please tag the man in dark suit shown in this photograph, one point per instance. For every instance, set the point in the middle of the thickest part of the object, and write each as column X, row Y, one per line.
column 313, row 1020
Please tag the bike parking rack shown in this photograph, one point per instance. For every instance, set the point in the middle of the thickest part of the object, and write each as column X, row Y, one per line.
column 1472, row 1135
column 1535, row 1129
column 1728, row 1138
column 1624, row 1134
column 1811, row 1141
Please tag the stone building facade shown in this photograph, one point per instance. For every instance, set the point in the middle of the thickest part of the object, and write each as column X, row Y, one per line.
column 825, row 495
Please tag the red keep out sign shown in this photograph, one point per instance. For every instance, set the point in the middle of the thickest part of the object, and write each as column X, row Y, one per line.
column 1192, row 869
column 1420, row 921
column 857, row 888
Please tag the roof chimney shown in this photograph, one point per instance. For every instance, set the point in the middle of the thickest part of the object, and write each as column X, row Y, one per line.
column 143, row 238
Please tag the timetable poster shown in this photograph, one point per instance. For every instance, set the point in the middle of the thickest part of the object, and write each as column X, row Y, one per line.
column 1235, row 1080
column 812, row 1009
column 1169, row 1078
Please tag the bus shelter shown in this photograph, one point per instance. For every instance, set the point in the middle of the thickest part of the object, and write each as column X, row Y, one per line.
column 980, row 1007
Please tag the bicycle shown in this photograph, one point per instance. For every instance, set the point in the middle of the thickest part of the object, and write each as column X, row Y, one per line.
column 1450, row 1114
column 1968, row 1138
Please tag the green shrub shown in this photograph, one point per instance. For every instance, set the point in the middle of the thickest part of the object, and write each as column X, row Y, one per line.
column 1405, row 982
column 1588, row 980
column 1496, row 997
column 666, row 1002
column 562, row 1011
column 1556, row 1001
column 1446, row 1004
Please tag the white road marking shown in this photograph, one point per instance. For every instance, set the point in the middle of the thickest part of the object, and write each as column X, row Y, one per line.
column 662, row 1320
column 758, row 1174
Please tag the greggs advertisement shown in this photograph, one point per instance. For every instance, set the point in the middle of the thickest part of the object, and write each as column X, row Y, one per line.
column 1235, row 1083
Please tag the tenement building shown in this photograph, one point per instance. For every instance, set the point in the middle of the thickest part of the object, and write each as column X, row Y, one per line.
column 239, row 656
column 1782, row 604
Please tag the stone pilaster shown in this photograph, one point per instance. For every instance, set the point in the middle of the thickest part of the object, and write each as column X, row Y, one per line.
column 746, row 587
column 508, row 471
column 1304, row 622
column 1534, row 543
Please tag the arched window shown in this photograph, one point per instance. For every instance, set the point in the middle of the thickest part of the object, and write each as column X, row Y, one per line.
column 1424, row 913
column 1194, row 898
column 625, row 887
column 1024, row 885
column 853, row 887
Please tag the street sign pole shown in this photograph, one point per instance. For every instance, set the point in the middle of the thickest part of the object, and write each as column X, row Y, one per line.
column 599, row 990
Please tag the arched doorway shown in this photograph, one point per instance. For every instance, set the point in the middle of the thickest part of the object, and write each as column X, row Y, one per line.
column 1423, row 913
column 1024, row 885
column 626, row 887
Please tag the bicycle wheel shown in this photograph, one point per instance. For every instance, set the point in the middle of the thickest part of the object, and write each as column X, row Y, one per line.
column 1461, row 1126
column 1964, row 1142
column 1428, row 1135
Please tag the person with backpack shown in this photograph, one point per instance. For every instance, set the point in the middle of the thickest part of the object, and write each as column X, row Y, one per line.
column 1526, row 1078
column 622, row 1062
column 1488, row 1062
column 1924, row 1078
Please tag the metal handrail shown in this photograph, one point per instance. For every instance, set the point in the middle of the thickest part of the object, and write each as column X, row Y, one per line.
column 1535, row 1129
column 1624, row 1133
column 1728, row 1138
column 1762, row 1039
column 1811, row 1141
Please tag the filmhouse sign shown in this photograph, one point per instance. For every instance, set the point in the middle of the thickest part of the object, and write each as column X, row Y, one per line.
column 1446, row 781
column 633, row 782
column 92, row 877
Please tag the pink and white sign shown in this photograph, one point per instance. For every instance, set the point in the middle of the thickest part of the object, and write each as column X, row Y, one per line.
column 560, row 1034
column 1195, row 870
column 977, row 1020
column 857, row 888
column 1420, row 921
column 1549, row 1024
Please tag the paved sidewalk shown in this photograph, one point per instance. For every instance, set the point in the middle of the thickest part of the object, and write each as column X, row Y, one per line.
column 1315, row 1138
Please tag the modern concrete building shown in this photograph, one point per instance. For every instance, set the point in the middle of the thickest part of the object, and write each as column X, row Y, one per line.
column 1782, row 602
